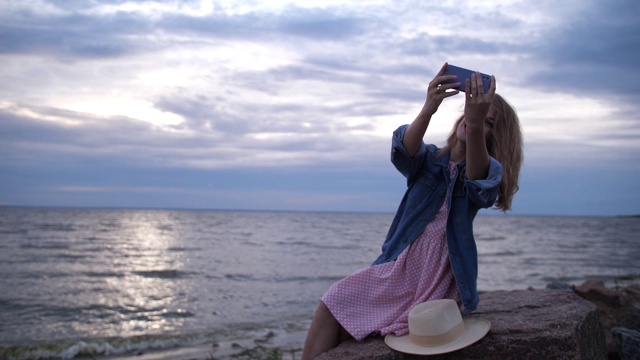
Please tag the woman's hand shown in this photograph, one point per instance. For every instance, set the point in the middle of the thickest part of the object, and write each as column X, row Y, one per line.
column 437, row 91
column 476, row 108
column 477, row 103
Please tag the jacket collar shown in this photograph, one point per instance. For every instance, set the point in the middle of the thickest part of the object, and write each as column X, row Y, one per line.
column 444, row 160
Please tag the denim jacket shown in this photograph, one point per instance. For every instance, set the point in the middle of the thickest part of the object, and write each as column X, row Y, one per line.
column 429, row 185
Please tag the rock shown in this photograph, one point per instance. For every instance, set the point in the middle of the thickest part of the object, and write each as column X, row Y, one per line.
column 628, row 342
column 556, row 285
column 620, row 307
column 631, row 321
column 525, row 324
column 595, row 291
column 633, row 290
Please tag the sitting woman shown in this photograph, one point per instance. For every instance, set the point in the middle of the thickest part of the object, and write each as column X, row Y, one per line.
column 430, row 252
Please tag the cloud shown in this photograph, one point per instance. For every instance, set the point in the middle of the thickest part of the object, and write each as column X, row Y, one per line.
column 594, row 52
column 71, row 36
column 117, row 95
column 77, row 32
column 321, row 24
column 210, row 139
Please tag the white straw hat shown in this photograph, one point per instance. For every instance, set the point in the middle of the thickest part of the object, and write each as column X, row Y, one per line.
column 436, row 327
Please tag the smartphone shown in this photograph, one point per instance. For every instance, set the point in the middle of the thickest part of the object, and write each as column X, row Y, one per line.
column 464, row 74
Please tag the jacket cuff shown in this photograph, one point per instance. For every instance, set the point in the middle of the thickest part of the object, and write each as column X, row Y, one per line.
column 484, row 193
column 397, row 145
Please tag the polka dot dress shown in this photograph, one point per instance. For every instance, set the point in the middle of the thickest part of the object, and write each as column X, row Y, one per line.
column 377, row 299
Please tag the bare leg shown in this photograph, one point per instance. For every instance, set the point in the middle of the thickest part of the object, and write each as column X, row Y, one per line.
column 324, row 334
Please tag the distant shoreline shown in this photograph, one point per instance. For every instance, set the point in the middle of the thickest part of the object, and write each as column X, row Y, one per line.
column 486, row 212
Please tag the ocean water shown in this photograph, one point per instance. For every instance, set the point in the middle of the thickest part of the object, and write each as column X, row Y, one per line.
column 102, row 282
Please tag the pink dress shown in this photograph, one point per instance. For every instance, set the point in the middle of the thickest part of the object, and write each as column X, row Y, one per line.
column 377, row 299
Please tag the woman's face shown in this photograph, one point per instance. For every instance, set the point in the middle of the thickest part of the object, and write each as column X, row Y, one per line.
column 489, row 122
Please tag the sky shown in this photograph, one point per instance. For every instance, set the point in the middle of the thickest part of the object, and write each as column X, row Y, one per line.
column 290, row 105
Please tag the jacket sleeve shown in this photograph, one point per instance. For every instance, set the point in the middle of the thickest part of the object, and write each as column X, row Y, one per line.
column 406, row 165
column 484, row 193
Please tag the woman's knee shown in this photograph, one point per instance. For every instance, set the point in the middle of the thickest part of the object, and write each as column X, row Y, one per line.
column 323, row 312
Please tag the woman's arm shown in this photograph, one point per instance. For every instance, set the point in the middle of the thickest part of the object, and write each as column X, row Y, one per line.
column 436, row 92
column 476, row 108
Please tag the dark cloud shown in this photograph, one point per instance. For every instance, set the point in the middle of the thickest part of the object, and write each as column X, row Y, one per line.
column 78, row 5
column 452, row 45
column 305, row 128
column 28, row 140
column 319, row 25
column 594, row 51
column 250, row 26
column 73, row 35
column 322, row 24
column 87, row 140
column 205, row 114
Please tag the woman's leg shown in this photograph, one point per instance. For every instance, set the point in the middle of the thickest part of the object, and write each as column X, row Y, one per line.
column 324, row 334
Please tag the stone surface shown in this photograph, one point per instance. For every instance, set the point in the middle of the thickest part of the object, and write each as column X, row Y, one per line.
column 628, row 342
column 596, row 292
column 525, row 324
column 617, row 307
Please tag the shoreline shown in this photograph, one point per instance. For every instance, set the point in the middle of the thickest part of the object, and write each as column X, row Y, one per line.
column 282, row 344
column 608, row 300
column 255, row 344
column 290, row 345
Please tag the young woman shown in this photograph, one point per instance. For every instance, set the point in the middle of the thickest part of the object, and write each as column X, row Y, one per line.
column 430, row 251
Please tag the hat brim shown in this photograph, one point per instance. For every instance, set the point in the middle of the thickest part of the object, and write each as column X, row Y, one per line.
column 474, row 330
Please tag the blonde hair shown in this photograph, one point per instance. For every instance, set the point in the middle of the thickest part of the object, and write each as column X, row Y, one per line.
column 504, row 145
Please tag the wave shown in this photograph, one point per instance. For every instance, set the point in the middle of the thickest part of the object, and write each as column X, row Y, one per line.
column 501, row 253
column 152, row 274
column 280, row 279
column 163, row 273
column 241, row 277
column 56, row 227
column 45, row 246
column 99, row 347
column 14, row 231
column 183, row 249
column 228, row 339
column 490, row 238
column 318, row 245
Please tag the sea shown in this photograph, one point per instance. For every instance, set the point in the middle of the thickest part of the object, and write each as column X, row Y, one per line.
column 112, row 283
